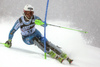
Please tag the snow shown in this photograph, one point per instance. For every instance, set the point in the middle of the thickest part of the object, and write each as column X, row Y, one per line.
column 72, row 43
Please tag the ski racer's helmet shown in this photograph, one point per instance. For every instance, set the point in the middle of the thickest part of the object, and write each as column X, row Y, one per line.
column 28, row 11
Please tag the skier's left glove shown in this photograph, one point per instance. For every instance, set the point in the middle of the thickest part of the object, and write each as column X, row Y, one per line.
column 8, row 43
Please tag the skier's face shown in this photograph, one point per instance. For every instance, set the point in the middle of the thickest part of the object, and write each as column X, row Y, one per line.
column 29, row 14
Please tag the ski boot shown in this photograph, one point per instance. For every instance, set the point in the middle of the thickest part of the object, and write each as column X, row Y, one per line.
column 54, row 55
column 66, row 58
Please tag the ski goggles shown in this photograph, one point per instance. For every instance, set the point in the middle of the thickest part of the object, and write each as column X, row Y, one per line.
column 28, row 13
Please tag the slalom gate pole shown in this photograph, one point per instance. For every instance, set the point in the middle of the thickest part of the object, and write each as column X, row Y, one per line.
column 45, row 29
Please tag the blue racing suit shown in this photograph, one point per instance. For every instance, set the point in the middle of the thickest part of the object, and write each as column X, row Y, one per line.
column 28, row 30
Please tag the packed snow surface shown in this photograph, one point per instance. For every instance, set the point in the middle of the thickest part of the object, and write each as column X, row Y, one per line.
column 71, row 42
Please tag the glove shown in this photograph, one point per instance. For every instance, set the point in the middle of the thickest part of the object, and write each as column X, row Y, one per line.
column 8, row 43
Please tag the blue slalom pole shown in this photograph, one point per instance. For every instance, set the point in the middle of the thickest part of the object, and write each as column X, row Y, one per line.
column 45, row 28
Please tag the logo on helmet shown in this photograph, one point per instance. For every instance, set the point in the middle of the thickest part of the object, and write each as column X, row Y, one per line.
column 30, row 8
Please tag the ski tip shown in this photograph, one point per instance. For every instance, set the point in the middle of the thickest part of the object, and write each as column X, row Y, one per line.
column 70, row 61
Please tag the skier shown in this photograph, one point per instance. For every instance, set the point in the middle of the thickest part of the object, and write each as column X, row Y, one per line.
column 31, row 35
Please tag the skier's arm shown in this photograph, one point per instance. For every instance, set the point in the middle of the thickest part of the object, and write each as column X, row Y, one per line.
column 14, row 29
column 8, row 43
column 38, row 21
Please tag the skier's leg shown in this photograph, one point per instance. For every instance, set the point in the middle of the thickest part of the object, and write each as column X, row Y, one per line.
column 48, row 44
column 48, row 51
column 56, row 51
column 40, row 44
column 40, row 38
column 51, row 46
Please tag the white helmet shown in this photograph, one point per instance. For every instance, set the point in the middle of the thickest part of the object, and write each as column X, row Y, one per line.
column 28, row 8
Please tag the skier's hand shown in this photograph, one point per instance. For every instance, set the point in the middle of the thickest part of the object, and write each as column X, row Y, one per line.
column 8, row 43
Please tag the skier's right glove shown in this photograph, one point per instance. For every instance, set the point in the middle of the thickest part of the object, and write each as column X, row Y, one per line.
column 8, row 43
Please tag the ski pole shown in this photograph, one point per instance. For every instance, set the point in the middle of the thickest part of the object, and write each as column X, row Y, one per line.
column 67, row 28
column 2, row 43
column 39, row 22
